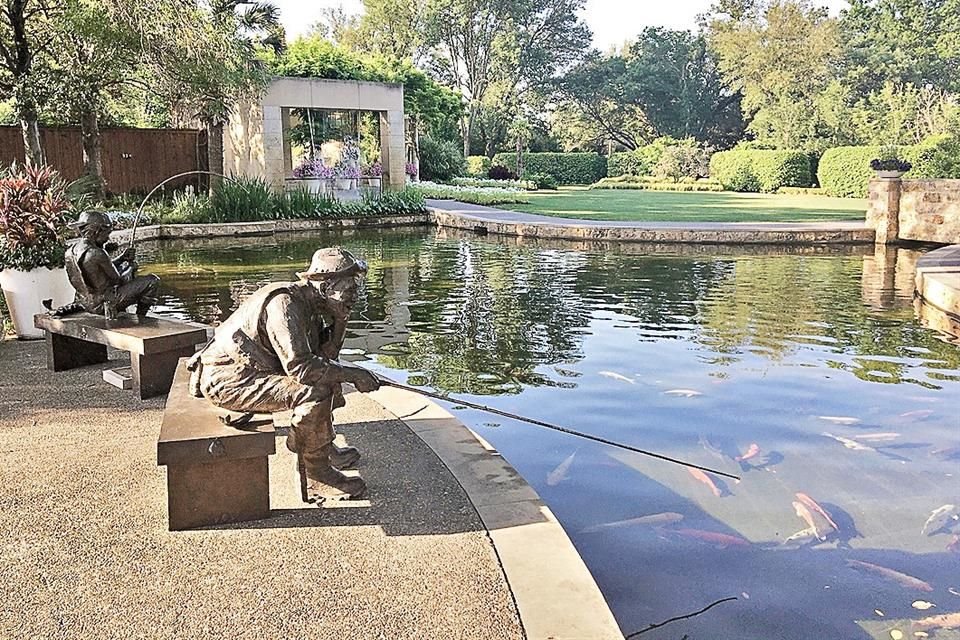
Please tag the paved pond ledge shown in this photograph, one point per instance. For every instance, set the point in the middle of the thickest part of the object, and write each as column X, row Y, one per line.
column 458, row 215
column 555, row 593
column 938, row 289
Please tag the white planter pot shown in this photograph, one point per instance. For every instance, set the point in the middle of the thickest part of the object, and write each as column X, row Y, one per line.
column 313, row 185
column 344, row 184
column 373, row 182
column 889, row 174
column 25, row 292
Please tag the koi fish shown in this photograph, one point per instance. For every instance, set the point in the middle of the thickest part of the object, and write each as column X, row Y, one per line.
column 954, row 545
column 684, row 393
column 947, row 453
column 848, row 443
column 559, row 474
column 940, row 518
column 803, row 536
column 807, row 516
column 944, row 621
column 814, row 506
column 919, row 414
column 616, row 376
column 650, row 520
column 902, row 579
column 844, row 420
column 877, row 437
column 752, row 452
column 705, row 479
column 720, row 540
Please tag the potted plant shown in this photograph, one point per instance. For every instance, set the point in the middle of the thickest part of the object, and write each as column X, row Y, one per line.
column 411, row 170
column 890, row 164
column 374, row 174
column 346, row 176
column 33, row 226
column 313, row 175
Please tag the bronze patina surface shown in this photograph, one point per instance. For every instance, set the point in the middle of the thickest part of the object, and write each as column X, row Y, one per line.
column 280, row 351
column 155, row 345
column 105, row 285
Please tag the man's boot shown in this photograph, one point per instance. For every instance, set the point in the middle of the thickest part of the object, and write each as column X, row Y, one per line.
column 320, row 481
column 340, row 457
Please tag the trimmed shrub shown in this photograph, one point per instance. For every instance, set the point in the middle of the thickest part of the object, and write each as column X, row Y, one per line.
column 937, row 157
column 565, row 168
column 542, row 181
column 489, row 182
column 845, row 171
column 440, row 159
column 473, row 195
column 478, row 166
column 500, row 172
column 760, row 169
column 645, row 183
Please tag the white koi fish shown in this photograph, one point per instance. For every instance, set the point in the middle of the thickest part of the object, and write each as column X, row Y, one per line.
column 844, row 420
column 559, row 474
column 655, row 519
column 848, row 443
column 940, row 518
column 616, row 376
column 684, row 393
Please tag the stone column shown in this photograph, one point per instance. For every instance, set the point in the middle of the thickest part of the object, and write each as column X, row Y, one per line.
column 287, row 150
column 392, row 142
column 273, row 160
column 883, row 209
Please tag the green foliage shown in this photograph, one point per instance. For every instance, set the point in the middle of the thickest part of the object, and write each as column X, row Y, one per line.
column 565, row 168
column 760, row 170
column 937, row 157
column 802, row 191
column 490, row 182
column 646, row 183
column 473, row 195
column 440, row 160
column 241, row 200
column 541, row 181
column 33, row 218
column 477, row 166
column 845, row 171
column 627, row 163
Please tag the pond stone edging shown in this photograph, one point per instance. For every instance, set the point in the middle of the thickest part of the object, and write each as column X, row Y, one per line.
column 555, row 594
column 938, row 289
column 266, row 227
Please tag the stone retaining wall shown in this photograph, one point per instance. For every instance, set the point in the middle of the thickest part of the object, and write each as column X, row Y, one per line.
column 917, row 210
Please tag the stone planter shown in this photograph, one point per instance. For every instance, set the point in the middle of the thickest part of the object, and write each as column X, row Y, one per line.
column 313, row 185
column 25, row 291
column 343, row 184
column 889, row 174
column 373, row 183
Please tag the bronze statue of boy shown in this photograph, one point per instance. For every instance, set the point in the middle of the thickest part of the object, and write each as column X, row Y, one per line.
column 104, row 285
column 280, row 350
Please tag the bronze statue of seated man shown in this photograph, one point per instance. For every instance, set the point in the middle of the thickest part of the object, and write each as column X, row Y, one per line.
column 104, row 285
column 280, row 351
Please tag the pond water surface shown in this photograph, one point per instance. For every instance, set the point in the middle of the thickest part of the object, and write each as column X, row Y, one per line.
column 801, row 371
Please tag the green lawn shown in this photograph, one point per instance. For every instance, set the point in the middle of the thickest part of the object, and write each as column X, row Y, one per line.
column 668, row 206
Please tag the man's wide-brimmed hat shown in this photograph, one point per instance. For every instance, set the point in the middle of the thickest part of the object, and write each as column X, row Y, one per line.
column 333, row 263
column 96, row 219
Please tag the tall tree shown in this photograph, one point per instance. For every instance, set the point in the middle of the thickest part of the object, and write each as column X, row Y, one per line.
column 781, row 55
column 27, row 29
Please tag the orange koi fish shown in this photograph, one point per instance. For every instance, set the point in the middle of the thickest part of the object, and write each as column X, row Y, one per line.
column 902, row 579
column 819, row 530
column 752, row 452
column 944, row 621
column 720, row 540
column 705, row 479
column 816, row 508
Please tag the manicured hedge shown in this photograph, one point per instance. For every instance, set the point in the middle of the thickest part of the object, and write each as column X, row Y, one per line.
column 477, row 166
column 565, row 168
column 845, row 171
column 937, row 157
column 760, row 169
column 647, row 183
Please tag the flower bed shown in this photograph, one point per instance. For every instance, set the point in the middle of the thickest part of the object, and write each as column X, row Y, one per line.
column 472, row 195
column 644, row 183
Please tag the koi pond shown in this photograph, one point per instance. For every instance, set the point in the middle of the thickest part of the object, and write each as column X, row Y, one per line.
column 801, row 370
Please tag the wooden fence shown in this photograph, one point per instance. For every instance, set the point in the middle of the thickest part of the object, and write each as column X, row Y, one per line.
column 134, row 160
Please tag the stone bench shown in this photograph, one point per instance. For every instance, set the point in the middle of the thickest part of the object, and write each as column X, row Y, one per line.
column 155, row 345
column 215, row 474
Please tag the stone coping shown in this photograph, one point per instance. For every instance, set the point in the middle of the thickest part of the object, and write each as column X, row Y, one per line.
column 555, row 593
column 938, row 289
column 458, row 215
column 265, row 228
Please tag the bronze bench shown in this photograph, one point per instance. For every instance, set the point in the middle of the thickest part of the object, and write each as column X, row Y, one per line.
column 155, row 345
column 215, row 474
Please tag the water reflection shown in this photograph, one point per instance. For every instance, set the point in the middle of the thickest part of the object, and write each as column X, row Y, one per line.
column 801, row 369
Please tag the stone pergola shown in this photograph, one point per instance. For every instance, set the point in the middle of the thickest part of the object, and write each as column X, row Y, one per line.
column 255, row 144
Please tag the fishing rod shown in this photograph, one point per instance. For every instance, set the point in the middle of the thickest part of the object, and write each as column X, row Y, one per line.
column 136, row 218
column 554, row 427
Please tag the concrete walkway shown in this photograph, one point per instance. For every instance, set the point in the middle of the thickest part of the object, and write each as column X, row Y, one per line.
column 459, row 215
column 86, row 552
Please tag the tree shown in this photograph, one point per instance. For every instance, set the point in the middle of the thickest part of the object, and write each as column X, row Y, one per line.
column 519, row 43
column 26, row 33
column 781, row 55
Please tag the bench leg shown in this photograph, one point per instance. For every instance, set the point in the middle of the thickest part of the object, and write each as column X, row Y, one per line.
column 64, row 352
column 210, row 493
column 153, row 373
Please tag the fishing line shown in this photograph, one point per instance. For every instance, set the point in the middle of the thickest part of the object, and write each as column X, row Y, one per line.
column 689, row 615
column 555, row 427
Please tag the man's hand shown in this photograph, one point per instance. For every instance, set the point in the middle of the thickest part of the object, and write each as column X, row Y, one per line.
column 363, row 380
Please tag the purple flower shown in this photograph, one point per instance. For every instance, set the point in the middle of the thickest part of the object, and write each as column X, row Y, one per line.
column 411, row 169
column 375, row 170
column 312, row 168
